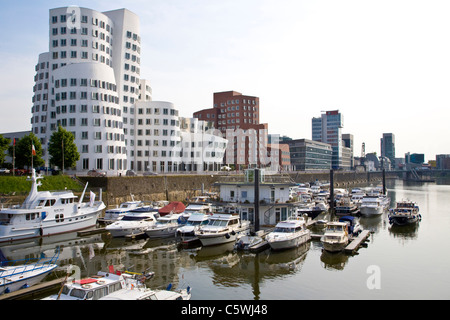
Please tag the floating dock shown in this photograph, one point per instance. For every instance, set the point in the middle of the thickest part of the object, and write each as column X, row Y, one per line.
column 356, row 242
column 91, row 232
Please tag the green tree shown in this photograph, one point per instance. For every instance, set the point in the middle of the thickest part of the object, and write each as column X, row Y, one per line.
column 4, row 145
column 24, row 152
column 62, row 143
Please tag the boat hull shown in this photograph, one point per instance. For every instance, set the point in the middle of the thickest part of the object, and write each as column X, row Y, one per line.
column 125, row 230
column 279, row 243
column 156, row 233
column 214, row 239
column 371, row 211
column 404, row 220
column 334, row 246
column 72, row 223
column 27, row 280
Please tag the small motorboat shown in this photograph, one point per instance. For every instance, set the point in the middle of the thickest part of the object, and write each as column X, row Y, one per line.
column 222, row 228
column 134, row 223
column 165, row 227
column 335, row 238
column 19, row 276
column 289, row 234
column 115, row 214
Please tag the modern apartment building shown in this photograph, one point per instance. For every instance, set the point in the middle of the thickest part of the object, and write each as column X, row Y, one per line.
column 90, row 83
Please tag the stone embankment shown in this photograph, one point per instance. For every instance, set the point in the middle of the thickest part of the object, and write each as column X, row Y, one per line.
column 181, row 187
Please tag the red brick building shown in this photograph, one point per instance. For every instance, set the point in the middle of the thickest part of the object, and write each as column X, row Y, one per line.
column 237, row 117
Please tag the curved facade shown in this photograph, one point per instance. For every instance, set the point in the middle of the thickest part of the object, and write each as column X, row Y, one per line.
column 87, row 104
column 89, row 82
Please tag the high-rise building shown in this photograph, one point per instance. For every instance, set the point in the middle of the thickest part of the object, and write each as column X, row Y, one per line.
column 328, row 129
column 237, row 117
column 90, row 83
column 388, row 147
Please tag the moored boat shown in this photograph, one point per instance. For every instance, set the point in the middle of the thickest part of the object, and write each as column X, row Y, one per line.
column 116, row 286
column 335, row 238
column 45, row 213
column 288, row 234
column 165, row 227
column 345, row 206
column 222, row 228
column 134, row 223
column 406, row 212
column 374, row 203
column 115, row 214
column 26, row 274
column 194, row 222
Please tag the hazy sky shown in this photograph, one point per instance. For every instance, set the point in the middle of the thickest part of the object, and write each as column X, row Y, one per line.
column 384, row 64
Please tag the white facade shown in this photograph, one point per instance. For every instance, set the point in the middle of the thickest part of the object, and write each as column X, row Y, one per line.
column 89, row 83
column 166, row 142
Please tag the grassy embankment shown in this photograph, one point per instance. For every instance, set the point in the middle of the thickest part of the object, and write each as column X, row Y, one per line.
column 19, row 185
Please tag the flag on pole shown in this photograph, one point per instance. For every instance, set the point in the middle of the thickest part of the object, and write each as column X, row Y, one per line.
column 33, row 150
column 92, row 199
column 14, row 141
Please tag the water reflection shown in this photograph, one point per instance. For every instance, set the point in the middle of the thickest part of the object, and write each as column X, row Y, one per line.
column 408, row 232
column 333, row 261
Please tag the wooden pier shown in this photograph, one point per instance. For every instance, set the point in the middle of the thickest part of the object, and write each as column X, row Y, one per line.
column 356, row 242
column 91, row 232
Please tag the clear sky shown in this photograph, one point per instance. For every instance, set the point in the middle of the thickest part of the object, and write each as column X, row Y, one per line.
column 385, row 64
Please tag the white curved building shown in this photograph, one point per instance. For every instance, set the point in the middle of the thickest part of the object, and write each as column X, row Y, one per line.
column 89, row 83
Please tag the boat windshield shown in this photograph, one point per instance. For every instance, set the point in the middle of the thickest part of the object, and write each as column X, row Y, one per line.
column 218, row 223
column 77, row 293
column 193, row 223
column 133, row 218
column 284, row 230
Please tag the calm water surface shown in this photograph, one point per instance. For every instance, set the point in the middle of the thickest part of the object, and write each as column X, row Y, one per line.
column 398, row 262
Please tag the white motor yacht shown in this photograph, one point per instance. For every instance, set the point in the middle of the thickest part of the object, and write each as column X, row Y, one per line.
column 45, row 213
column 115, row 214
column 335, row 238
column 194, row 222
column 288, row 234
column 136, row 222
column 165, row 227
column 374, row 205
column 222, row 228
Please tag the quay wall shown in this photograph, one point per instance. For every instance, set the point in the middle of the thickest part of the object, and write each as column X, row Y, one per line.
column 181, row 187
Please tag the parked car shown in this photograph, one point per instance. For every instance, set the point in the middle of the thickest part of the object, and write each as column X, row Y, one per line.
column 96, row 173
column 150, row 173
column 4, row 170
column 131, row 173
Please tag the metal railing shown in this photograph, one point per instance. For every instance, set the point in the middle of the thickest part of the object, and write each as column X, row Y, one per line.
column 26, row 266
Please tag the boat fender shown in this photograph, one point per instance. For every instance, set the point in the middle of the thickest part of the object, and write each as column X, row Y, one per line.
column 227, row 236
column 233, row 233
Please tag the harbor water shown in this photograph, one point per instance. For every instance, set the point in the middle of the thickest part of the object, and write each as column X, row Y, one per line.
column 409, row 262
